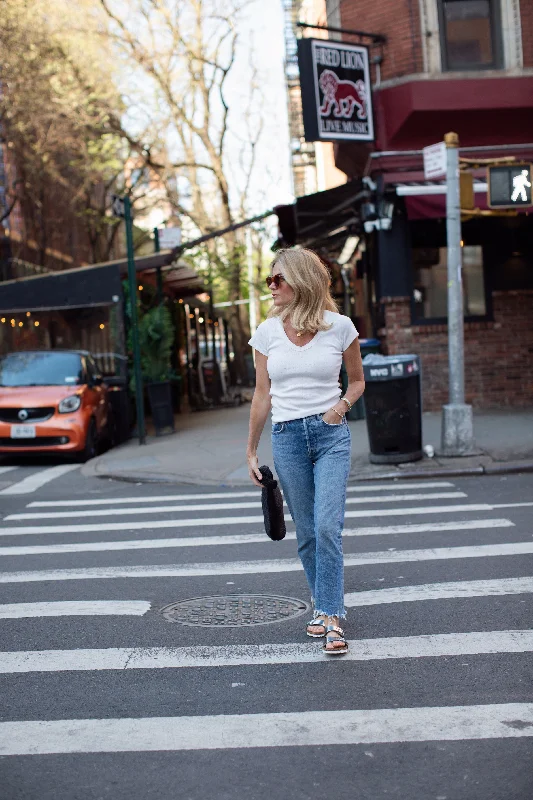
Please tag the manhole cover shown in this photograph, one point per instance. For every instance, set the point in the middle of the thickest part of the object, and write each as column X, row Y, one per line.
column 233, row 610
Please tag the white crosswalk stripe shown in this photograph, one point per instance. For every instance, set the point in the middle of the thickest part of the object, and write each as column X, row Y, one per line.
column 134, row 511
column 258, row 567
column 440, row 591
column 74, row 608
column 224, row 522
column 429, row 646
column 5, row 470
column 38, row 479
column 311, row 728
column 244, row 538
column 172, row 498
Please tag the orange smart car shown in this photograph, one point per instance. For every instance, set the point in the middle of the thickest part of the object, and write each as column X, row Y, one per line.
column 52, row 401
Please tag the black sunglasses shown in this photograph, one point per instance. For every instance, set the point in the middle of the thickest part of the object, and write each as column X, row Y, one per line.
column 274, row 280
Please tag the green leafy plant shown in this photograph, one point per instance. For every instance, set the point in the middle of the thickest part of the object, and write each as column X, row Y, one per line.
column 156, row 338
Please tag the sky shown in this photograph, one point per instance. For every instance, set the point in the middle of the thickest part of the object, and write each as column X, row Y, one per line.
column 261, row 32
column 263, row 27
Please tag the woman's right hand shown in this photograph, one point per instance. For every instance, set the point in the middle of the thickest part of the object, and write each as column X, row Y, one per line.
column 253, row 470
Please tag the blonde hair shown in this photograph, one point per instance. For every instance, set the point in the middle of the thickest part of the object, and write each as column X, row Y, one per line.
column 308, row 276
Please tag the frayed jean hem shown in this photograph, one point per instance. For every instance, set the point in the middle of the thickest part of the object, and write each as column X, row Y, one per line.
column 317, row 612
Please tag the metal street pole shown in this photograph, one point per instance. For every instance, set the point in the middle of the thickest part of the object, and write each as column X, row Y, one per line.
column 132, row 280
column 159, row 274
column 212, row 313
column 457, row 418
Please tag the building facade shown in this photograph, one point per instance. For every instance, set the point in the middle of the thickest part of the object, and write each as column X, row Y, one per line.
column 448, row 65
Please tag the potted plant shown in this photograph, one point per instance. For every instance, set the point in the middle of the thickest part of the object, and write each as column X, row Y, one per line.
column 156, row 339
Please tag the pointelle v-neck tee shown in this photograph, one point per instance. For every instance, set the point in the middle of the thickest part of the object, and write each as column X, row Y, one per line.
column 304, row 380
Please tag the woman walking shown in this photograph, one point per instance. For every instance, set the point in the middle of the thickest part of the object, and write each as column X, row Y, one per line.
column 299, row 351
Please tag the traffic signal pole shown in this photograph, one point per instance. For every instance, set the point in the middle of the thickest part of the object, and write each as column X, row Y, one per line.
column 159, row 274
column 132, row 281
column 457, row 416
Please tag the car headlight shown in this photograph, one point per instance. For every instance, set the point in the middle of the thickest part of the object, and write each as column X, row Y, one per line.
column 69, row 404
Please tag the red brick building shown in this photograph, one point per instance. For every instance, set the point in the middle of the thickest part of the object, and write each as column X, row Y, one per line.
column 463, row 66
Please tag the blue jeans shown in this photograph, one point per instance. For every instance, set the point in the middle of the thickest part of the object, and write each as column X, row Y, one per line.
column 312, row 459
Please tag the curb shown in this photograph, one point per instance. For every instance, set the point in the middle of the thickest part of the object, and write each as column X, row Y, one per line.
column 175, row 480
column 509, row 468
column 496, row 469
column 429, row 473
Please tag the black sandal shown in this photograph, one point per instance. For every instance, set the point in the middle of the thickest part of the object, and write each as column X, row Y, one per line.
column 335, row 651
column 316, row 622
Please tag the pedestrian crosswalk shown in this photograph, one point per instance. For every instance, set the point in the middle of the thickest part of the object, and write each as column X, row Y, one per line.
column 440, row 591
column 115, row 501
column 74, row 608
column 135, row 511
column 223, row 732
column 244, row 538
column 26, row 480
column 84, row 599
column 256, row 519
column 265, row 566
column 5, row 470
column 228, row 732
column 116, row 658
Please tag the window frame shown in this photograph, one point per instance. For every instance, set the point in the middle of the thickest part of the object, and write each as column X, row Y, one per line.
column 488, row 316
column 93, row 374
column 496, row 36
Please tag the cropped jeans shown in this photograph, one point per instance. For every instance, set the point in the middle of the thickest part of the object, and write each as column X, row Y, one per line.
column 312, row 460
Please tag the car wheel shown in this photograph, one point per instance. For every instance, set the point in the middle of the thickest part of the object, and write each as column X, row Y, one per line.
column 89, row 451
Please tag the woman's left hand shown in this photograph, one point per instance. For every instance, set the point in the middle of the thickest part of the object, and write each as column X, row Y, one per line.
column 332, row 418
column 253, row 470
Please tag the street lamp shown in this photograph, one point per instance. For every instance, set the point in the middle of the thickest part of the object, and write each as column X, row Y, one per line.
column 369, row 216
column 385, row 213
column 377, row 216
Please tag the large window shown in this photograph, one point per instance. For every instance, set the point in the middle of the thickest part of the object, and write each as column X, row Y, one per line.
column 470, row 34
column 430, row 295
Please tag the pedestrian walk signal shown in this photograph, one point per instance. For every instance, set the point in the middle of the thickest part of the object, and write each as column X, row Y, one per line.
column 510, row 186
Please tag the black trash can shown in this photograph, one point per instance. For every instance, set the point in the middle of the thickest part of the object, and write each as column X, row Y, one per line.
column 367, row 346
column 393, row 408
column 120, row 409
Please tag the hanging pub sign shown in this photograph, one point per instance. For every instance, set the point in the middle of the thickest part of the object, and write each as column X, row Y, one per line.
column 336, row 95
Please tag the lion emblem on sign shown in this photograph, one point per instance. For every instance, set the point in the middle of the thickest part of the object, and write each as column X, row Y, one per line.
column 342, row 96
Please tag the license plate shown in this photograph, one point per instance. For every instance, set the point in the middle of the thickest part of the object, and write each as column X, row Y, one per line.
column 23, row 431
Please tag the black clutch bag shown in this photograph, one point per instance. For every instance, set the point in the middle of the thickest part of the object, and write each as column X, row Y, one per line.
column 272, row 501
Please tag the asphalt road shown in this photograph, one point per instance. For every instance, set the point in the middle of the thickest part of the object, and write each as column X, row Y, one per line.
column 102, row 697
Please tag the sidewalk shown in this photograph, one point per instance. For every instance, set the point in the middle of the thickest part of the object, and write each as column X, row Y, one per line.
column 209, row 448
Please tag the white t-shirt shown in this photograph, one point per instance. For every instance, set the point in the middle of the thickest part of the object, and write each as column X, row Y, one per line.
column 304, row 380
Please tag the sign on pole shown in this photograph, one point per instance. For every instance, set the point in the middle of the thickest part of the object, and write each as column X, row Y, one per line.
column 117, row 206
column 336, row 91
column 434, row 161
column 169, row 238
column 509, row 186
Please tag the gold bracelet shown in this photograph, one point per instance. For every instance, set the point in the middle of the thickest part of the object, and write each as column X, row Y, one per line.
column 338, row 413
column 347, row 402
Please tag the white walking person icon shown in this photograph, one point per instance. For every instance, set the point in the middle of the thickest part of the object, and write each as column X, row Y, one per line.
column 519, row 186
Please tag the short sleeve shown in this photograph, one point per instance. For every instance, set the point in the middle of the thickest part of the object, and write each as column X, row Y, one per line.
column 348, row 332
column 259, row 340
